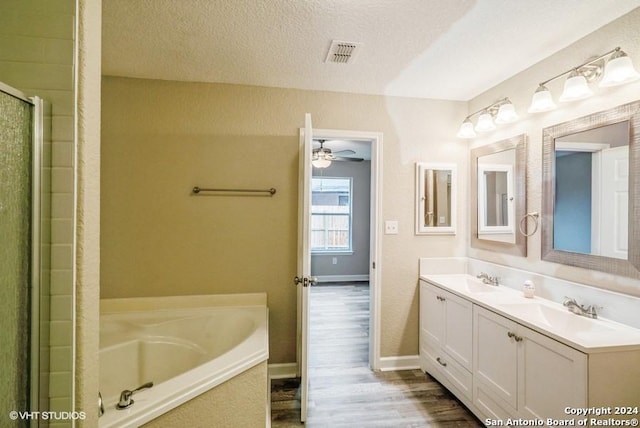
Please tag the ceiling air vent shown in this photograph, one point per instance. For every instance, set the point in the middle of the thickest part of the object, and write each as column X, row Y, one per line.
column 342, row 52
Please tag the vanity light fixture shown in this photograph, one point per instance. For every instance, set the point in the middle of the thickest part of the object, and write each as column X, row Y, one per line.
column 618, row 70
column 500, row 112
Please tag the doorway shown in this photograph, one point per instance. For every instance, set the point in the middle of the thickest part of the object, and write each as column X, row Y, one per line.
column 358, row 189
column 374, row 142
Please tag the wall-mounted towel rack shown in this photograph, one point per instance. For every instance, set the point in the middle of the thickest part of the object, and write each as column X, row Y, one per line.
column 271, row 191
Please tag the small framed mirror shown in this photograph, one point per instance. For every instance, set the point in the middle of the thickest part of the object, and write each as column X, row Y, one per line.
column 435, row 198
column 590, row 191
column 498, row 200
column 496, row 204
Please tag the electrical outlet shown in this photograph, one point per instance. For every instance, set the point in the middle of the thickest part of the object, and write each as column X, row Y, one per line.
column 391, row 227
column 335, row 260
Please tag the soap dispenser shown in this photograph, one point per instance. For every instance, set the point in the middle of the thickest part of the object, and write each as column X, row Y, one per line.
column 528, row 289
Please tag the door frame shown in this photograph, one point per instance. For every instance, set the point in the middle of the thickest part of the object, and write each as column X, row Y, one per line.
column 375, row 241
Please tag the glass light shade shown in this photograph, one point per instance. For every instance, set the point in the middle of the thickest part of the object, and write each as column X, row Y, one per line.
column 619, row 70
column 466, row 130
column 506, row 114
column 485, row 123
column 321, row 162
column 575, row 88
column 541, row 101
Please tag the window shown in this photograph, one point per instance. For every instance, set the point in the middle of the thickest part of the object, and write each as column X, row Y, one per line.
column 331, row 214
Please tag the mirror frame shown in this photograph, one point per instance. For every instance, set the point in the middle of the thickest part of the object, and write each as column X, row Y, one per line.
column 631, row 266
column 519, row 143
column 421, row 229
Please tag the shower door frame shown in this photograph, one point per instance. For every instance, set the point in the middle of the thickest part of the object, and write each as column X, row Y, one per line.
column 37, row 142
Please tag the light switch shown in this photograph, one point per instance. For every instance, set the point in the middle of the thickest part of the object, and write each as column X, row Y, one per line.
column 391, row 227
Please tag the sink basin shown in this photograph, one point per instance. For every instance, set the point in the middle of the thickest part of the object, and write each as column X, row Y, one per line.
column 557, row 319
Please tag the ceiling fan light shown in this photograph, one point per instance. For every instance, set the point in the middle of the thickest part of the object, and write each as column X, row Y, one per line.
column 466, row 130
column 320, row 161
column 575, row 88
column 506, row 113
column 618, row 71
column 541, row 100
column 485, row 123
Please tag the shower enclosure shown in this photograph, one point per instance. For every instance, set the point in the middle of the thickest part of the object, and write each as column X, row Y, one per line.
column 24, row 250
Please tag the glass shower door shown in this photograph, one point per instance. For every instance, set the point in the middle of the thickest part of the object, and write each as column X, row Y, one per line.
column 15, row 253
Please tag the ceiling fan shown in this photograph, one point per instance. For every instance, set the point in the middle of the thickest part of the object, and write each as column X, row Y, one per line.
column 323, row 156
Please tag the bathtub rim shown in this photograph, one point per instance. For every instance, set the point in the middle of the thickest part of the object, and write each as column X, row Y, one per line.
column 250, row 353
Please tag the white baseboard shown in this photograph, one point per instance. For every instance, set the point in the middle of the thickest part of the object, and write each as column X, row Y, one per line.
column 407, row 362
column 290, row 370
column 283, row 371
column 342, row 278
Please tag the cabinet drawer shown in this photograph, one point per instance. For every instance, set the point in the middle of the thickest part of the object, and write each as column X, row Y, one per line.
column 458, row 376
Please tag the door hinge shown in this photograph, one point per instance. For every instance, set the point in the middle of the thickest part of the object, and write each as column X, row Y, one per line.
column 374, row 265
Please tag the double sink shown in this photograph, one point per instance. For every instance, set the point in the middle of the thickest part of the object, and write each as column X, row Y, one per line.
column 547, row 317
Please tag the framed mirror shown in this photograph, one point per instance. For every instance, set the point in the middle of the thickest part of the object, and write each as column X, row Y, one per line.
column 590, row 193
column 498, row 200
column 435, row 198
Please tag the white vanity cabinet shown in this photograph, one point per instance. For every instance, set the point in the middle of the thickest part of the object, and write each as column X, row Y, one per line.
column 508, row 357
column 520, row 372
column 446, row 338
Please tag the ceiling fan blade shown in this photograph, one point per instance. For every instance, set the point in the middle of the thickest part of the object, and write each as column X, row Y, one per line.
column 344, row 152
column 342, row 158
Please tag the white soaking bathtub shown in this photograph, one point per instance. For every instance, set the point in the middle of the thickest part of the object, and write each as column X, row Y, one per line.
column 185, row 345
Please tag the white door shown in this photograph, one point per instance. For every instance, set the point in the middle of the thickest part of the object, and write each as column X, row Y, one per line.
column 614, row 203
column 303, row 278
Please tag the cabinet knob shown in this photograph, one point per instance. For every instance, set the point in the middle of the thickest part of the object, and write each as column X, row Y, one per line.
column 442, row 363
column 514, row 336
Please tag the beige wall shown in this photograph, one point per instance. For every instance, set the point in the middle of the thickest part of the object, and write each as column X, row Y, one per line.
column 622, row 32
column 161, row 138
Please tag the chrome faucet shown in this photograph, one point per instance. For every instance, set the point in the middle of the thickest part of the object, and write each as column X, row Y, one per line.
column 125, row 396
column 586, row 311
column 486, row 279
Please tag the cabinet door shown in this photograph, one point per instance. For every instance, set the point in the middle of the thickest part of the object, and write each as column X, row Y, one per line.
column 551, row 377
column 496, row 358
column 458, row 332
column 431, row 315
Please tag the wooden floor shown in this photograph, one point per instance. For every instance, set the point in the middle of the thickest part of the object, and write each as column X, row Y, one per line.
column 343, row 391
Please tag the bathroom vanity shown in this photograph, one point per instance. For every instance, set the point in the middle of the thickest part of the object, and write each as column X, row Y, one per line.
column 505, row 356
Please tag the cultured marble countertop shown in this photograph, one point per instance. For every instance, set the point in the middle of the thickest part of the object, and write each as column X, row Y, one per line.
column 544, row 316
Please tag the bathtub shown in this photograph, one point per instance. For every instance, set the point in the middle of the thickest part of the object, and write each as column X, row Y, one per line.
column 186, row 345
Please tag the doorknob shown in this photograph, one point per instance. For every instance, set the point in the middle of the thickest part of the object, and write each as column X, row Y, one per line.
column 305, row 281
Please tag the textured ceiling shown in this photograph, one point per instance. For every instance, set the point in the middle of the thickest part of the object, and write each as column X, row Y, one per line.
column 442, row 49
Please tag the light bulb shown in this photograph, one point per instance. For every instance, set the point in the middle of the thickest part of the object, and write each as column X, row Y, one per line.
column 541, row 100
column 466, row 130
column 485, row 123
column 575, row 88
column 506, row 113
column 619, row 70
